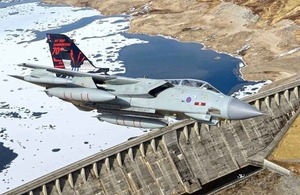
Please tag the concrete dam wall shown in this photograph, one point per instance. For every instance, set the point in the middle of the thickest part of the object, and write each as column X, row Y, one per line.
column 179, row 159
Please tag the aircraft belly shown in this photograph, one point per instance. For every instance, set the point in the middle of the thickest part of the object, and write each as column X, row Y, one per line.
column 173, row 105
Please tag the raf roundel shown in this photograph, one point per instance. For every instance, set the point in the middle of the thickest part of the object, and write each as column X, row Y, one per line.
column 188, row 99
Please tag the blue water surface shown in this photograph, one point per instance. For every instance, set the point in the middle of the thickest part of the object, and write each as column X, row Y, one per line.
column 6, row 157
column 160, row 58
column 163, row 58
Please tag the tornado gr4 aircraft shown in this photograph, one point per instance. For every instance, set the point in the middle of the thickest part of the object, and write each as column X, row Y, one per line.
column 136, row 102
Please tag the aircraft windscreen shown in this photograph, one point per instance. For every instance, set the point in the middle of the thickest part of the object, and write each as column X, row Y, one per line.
column 193, row 83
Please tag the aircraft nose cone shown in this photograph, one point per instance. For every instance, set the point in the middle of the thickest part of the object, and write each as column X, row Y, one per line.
column 238, row 110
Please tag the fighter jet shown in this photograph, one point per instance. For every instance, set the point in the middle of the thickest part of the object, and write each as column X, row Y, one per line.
column 135, row 102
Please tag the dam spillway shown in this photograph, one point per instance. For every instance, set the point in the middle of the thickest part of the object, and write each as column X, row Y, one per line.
column 180, row 159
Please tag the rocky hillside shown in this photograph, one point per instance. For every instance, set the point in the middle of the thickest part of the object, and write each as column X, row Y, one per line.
column 265, row 33
column 272, row 11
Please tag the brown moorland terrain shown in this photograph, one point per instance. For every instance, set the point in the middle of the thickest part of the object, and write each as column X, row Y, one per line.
column 265, row 33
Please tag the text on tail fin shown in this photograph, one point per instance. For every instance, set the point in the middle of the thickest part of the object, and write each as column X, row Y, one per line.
column 62, row 49
column 66, row 55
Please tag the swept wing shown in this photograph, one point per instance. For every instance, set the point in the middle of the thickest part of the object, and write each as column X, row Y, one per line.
column 113, row 80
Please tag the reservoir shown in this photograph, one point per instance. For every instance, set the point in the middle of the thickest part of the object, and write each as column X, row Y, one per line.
column 159, row 58
column 163, row 58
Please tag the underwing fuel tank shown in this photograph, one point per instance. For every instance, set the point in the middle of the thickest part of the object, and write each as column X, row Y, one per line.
column 48, row 80
column 131, row 121
column 80, row 94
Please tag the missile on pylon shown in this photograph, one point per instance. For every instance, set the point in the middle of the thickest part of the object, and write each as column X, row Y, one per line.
column 44, row 80
column 48, row 80
column 80, row 94
column 131, row 121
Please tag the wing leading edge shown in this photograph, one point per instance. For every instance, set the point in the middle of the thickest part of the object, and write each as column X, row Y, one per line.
column 113, row 80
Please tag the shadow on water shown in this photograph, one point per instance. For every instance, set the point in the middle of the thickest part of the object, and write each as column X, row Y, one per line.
column 163, row 58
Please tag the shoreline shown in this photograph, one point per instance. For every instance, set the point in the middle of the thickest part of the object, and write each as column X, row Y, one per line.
column 222, row 26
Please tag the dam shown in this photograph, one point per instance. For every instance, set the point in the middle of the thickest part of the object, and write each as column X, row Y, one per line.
column 183, row 158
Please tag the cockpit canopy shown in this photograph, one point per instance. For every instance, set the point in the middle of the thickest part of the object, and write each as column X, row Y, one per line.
column 193, row 83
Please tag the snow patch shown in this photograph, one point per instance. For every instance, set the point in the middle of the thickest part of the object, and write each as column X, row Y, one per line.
column 248, row 90
column 48, row 133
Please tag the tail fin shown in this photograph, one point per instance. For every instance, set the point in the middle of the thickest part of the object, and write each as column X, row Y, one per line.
column 66, row 55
